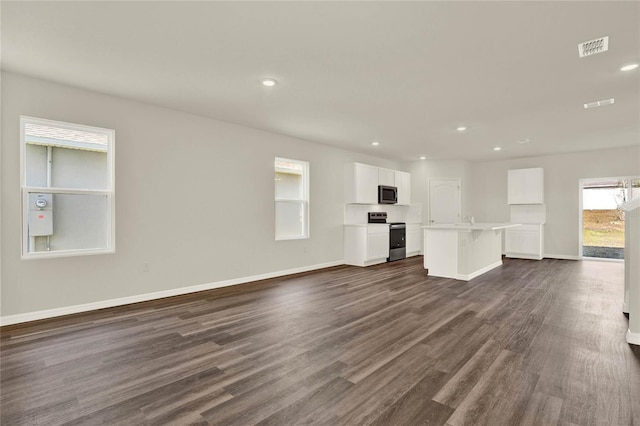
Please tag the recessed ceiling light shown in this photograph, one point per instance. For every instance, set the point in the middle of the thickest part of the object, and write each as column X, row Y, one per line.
column 269, row 82
column 423, row 158
column 524, row 140
column 497, row 148
column 629, row 67
column 461, row 128
column 599, row 103
column 375, row 143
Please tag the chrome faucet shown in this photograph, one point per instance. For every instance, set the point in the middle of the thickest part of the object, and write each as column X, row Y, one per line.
column 470, row 219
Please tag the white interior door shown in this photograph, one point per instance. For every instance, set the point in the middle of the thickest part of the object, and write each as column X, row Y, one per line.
column 444, row 201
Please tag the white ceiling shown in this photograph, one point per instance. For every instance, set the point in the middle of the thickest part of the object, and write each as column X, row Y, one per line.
column 405, row 74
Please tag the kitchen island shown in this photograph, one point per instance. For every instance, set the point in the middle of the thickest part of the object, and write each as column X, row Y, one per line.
column 461, row 250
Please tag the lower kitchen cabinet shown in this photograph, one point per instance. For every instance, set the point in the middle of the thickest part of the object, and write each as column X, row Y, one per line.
column 525, row 242
column 366, row 245
column 414, row 239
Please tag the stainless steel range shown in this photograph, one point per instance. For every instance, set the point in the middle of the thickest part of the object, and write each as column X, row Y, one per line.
column 397, row 235
column 397, row 241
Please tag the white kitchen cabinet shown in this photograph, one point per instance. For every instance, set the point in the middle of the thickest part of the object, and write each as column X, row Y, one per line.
column 377, row 246
column 526, row 186
column 361, row 184
column 413, row 239
column 524, row 242
column 386, row 177
column 366, row 245
column 403, row 183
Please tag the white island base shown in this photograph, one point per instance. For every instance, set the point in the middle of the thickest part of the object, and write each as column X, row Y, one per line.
column 463, row 251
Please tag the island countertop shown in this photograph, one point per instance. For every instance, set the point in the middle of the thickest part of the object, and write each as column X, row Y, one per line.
column 467, row 227
column 463, row 251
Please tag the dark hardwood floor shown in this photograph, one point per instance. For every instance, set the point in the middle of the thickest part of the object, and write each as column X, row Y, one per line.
column 531, row 343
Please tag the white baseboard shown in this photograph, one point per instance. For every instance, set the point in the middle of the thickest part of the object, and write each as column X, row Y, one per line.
column 561, row 256
column 633, row 338
column 523, row 256
column 365, row 263
column 479, row 272
column 68, row 310
column 602, row 259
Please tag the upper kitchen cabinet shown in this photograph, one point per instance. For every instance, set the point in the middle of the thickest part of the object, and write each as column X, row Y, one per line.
column 403, row 183
column 526, row 186
column 387, row 177
column 361, row 184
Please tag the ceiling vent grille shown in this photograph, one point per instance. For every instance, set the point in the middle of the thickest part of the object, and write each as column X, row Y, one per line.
column 593, row 47
column 597, row 104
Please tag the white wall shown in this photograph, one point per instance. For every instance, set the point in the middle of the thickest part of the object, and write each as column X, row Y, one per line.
column 422, row 171
column 488, row 189
column 194, row 199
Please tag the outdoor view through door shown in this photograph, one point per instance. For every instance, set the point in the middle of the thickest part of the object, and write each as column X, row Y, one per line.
column 602, row 217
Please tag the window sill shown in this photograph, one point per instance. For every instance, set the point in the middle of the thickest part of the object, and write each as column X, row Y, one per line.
column 66, row 253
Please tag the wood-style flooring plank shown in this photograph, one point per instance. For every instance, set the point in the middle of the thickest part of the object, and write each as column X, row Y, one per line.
column 303, row 411
column 416, row 406
column 529, row 343
column 542, row 410
column 501, row 395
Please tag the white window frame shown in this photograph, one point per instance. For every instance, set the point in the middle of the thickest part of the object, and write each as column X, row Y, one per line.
column 109, row 192
column 304, row 201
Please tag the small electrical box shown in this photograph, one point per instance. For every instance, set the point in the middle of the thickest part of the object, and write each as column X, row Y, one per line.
column 40, row 215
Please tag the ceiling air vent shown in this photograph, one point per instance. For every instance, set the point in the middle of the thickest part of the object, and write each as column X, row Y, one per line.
column 593, row 47
column 599, row 103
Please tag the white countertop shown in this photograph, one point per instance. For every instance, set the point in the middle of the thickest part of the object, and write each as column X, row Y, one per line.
column 367, row 224
column 467, row 227
column 378, row 224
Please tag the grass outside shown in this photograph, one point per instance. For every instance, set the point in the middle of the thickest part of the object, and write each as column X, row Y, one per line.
column 602, row 228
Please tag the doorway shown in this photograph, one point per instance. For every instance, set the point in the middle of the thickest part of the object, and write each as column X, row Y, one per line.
column 444, row 201
column 602, row 219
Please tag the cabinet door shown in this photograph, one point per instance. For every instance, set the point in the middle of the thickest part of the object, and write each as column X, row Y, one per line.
column 377, row 246
column 530, row 242
column 523, row 242
column 386, row 177
column 525, row 186
column 366, row 184
column 403, row 183
column 512, row 241
column 515, row 183
column 534, row 186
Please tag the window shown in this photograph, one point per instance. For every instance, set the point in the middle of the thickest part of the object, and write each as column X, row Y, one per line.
column 292, row 199
column 67, row 179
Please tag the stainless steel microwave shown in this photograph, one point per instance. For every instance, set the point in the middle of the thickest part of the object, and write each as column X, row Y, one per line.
column 387, row 194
